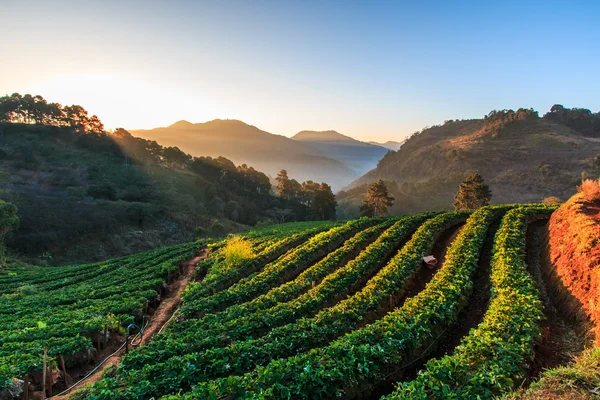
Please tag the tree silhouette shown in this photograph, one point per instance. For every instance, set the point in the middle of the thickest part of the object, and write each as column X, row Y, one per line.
column 323, row 203
column 472, row 193
column 378, row 200
column 284, row 186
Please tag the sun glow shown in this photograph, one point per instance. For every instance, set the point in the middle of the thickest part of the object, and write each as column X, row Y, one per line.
column 118, row 101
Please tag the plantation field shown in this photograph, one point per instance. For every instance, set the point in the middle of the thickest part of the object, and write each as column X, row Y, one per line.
column 302, row 311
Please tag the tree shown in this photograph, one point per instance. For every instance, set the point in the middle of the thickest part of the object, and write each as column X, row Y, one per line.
column 324, row 203
column 472, row 193
column 308, row 192
column 9, row 220
column 284, row 186
column 378, row 200
column 280, row 215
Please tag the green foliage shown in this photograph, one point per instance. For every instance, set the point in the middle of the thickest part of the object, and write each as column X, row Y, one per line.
column 30, row 109
column 103, row 190
column 64, row 308
column 323, row 203
column 494, row 356
column 9, row 221
column 378, row 200
column 581, row 120
column 472, row 193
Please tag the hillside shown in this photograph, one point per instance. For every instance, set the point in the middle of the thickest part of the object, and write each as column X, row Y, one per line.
column 246, row 144
column 91, row 195
column 524, row 158
column 361, row 157
column 307, row 301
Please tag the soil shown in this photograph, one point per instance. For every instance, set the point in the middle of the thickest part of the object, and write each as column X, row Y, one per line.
column 563, row 337
column 164, row 312
column 425, row 273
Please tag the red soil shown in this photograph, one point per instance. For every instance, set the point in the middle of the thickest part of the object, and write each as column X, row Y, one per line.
column 575, row 251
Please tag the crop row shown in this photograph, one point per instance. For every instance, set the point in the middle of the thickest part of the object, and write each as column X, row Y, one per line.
column 368, row 354
column 311, row 277
column 493, row 357
column 277, row 272
column 217, row 280
column 305, row 333
column 176, row 342
column 65, row 318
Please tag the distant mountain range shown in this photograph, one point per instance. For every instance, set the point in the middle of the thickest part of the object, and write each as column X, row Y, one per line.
column 319, row 156
column 390, row 144
column 359, row 156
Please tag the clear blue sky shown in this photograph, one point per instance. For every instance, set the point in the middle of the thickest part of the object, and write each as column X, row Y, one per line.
column 373, row 70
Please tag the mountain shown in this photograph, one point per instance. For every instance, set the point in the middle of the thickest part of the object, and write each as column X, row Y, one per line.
column 246, row 144
column 524, row 158
column 360, row 156
column 390, row 144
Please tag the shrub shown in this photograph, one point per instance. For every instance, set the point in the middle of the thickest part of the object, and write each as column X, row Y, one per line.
column 103, row 190
column 552, row 200
column 237, row 250
column 590, row 189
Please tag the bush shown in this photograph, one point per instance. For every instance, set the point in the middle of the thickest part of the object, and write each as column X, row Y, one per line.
column 552, row 200
column 590, row 189
column 103, row 190
column 237, row 250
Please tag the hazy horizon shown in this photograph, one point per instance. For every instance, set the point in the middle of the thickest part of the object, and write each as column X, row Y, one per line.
column 373, row 71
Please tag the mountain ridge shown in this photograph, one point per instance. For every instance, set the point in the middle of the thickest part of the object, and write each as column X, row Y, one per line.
column 337, row 161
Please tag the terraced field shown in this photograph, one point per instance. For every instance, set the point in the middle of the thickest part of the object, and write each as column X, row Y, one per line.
column 320, row 311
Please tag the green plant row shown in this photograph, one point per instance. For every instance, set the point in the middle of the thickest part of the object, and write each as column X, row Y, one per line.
column 239, row 315
column 274, row 273
column 58, row 319
column 196, row 338
column 368, row 354
column 49, row 278
column 215, row 282
column 25, row 305
column 494, row 356
column 305, row 333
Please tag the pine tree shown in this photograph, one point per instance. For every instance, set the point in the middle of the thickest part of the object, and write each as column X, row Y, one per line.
column 378, row 200
column 284, row 185
column 472, row 193
column 324, row 203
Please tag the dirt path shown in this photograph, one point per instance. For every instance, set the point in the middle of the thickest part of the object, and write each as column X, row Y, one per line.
column 161, row 316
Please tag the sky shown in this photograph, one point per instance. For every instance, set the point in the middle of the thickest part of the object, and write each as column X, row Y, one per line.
column 374, row 70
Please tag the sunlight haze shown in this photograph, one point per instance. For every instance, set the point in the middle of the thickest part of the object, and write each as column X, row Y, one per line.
column 375, row 71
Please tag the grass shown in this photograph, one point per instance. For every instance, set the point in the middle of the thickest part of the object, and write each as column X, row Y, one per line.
column 576, row 381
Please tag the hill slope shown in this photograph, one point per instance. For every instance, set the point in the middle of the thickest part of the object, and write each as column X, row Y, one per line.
column 246, row 144
column 361, row 157
column 90, row 196
column 522, row 157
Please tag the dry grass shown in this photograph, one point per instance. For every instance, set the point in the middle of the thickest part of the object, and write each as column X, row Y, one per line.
column 590, row 189
column 236, row 251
